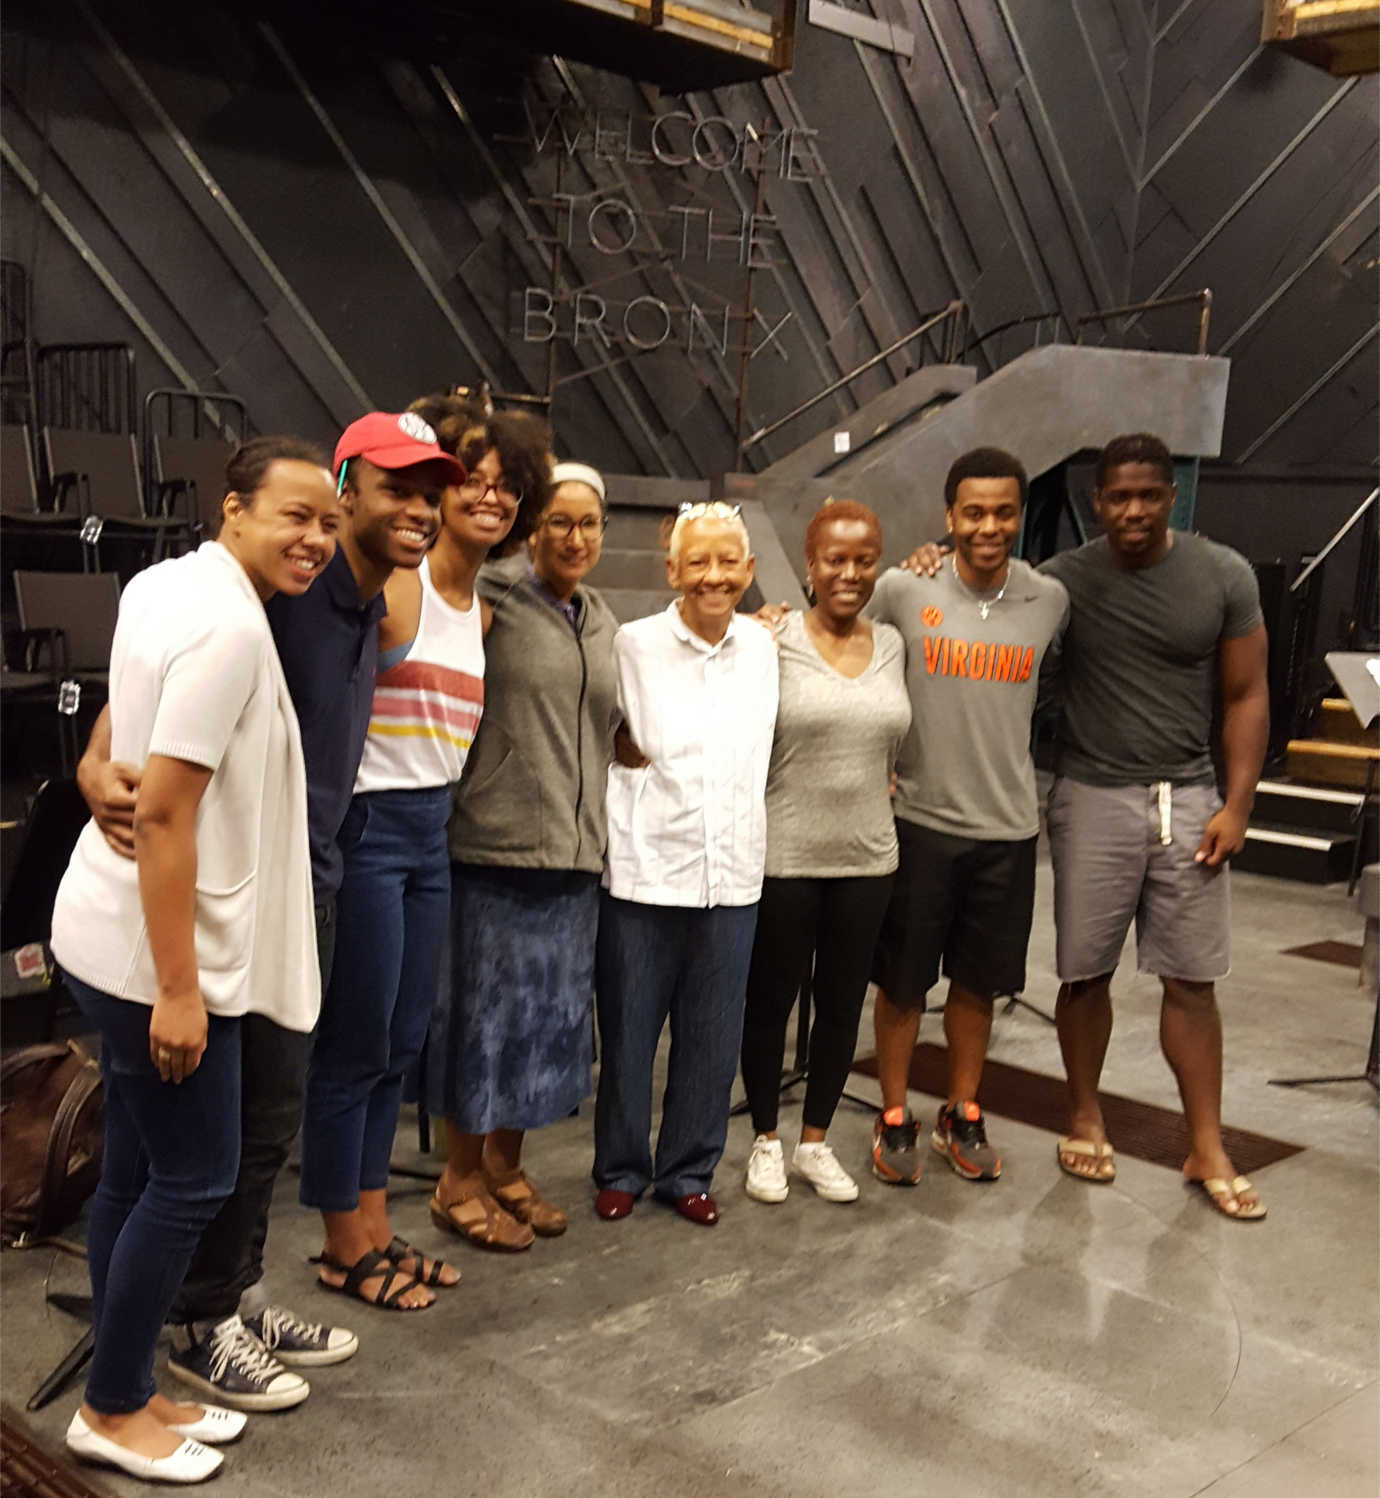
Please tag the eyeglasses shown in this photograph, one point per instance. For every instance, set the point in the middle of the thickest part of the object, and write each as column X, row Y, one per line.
column 477, row 488
column 591, row 527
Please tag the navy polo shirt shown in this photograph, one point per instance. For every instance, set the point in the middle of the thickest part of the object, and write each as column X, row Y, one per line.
column 328, row 643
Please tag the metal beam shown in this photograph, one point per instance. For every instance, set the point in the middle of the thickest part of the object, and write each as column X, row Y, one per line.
column 1293, row 277
column 390, row 221
column 97, row 267
column 169, row 129
column 1261, row 178
column 1286, row 416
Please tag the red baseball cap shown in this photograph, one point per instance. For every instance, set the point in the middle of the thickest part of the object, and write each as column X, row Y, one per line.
column 391, row 440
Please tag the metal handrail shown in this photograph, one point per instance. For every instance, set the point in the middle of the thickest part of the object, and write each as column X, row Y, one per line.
column 1015, row 322
column 1336, row 540
column 953, row 314
column 1106, row 314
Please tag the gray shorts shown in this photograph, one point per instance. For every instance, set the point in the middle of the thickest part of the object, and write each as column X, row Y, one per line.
column 1112, row 861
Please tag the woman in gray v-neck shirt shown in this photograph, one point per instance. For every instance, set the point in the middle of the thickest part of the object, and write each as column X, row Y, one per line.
column 831, row 843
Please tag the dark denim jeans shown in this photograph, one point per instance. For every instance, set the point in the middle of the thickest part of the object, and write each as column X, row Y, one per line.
column 273, row 1070
column 391, row 916
column 171, row 1154
column 691, row 964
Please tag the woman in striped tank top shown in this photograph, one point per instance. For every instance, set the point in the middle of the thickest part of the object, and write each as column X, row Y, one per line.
column 394, row 901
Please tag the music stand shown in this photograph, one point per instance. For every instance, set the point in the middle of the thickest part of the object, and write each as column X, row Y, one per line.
column 1361, row 687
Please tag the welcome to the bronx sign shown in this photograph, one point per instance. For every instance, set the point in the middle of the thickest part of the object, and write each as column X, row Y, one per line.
column 705, row 238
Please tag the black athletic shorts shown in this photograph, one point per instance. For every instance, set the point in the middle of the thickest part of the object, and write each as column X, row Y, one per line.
column 960, row 902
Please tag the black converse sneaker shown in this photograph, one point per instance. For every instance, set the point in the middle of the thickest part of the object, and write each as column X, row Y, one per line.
column 298, row 1343
column 231, row 1365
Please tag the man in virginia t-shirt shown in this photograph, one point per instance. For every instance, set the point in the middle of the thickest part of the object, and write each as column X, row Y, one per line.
column 977, row 633
column 1160, row 621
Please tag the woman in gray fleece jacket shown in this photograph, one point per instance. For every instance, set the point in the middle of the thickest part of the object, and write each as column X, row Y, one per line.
column 510, row 1041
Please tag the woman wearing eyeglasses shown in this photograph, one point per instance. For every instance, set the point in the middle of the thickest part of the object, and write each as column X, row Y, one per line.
column 687, row 840
column 394, row 903
column 510, row 1041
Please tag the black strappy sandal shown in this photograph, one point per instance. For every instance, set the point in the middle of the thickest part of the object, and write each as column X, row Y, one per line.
column 400, row 1249
column 371, row 1265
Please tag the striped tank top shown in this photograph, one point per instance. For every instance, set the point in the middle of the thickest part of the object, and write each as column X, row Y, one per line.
column 427, row 707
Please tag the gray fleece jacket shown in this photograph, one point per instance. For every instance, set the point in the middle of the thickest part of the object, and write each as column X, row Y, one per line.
column 532, row 795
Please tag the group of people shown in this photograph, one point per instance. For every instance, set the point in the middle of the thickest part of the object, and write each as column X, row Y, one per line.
column 383, row 793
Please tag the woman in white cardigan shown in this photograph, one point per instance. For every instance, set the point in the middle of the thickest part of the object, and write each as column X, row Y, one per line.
column 211, row 920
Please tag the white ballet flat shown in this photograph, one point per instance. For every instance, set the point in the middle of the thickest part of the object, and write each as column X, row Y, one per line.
column 217, row 1426
column 191, row 1462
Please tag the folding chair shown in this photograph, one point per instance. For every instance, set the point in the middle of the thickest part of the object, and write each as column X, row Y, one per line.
column 103, row 470
column 73, row 615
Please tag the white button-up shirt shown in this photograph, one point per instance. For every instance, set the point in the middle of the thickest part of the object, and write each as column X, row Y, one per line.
column 690, row 828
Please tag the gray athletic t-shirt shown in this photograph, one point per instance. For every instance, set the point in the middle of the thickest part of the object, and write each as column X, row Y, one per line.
column 965, row 767
column 1139, row 666
column 828, row 807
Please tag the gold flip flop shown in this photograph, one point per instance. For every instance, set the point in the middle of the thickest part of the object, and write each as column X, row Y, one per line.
column 1220, row 1192
column 1087, row 1149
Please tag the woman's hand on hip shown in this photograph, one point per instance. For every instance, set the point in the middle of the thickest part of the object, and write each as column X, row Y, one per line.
column 177, row 1034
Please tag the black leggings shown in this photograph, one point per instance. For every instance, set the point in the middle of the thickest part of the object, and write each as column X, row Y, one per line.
column 838, row 920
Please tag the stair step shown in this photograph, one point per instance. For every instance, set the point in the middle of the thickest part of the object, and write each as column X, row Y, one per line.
column 624, row 567
column 1331, row 763
column 1337, row 722
column 1308, row 808
column 636, row 603
column 1286, row 853
column 637, row 529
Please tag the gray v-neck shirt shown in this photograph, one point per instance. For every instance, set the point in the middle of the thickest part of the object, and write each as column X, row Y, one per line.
column 836, row 740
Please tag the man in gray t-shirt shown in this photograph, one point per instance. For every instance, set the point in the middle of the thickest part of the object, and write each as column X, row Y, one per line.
column 1160, row 621
column 977, row 636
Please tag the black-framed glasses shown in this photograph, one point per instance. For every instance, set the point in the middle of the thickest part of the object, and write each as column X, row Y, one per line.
column 477, row 488
column 591, row 527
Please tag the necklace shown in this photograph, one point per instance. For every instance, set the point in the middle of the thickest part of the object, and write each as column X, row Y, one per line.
column 985, row 605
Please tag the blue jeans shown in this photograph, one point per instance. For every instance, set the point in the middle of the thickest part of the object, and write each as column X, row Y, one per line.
column 171, row 1154
column 391, row 916
column 691, row 964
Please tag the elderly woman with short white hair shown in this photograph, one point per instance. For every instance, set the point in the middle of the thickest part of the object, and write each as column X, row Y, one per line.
column 697, row 686
column 510, row 1039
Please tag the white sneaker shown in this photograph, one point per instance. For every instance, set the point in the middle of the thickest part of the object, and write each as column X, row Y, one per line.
column 191, row 1462
column 766, row 1172
column 819, row 1165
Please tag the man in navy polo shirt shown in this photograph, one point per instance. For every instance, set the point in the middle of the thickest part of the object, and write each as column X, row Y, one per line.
column 234, row 1345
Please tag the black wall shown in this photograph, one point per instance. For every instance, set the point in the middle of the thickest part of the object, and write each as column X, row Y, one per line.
column 321, row 220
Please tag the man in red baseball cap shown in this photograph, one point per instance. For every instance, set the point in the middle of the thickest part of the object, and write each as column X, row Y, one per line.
column 392, row 442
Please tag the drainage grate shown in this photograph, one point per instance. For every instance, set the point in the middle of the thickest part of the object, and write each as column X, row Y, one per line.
column 1140, row 1130
column 1342, row 953
column 27, row 1471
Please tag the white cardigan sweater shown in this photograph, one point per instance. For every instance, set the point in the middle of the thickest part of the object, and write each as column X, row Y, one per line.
column 194, row 676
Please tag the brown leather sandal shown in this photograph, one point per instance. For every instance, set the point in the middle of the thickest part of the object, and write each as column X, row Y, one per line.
column 516, row 1194
column 474, row 1215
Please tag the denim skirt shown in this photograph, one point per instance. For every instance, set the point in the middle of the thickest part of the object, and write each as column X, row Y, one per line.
column 511, row 1041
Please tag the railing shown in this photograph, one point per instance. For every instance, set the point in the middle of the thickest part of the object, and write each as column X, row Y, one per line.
column 1301, row 691
column 953, row 315
column 1038, row 319
column 1133, row 309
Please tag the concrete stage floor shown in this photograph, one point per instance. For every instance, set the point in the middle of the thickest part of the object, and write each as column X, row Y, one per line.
column 1036, row 1338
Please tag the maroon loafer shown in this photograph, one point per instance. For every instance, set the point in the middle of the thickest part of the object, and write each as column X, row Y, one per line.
column 611, row 1204
column 700, row 1208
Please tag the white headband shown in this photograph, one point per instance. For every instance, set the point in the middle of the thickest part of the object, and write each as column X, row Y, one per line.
column 579, row 473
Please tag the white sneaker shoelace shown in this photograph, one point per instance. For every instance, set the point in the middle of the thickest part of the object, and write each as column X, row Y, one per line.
column 233, row 1345
column 278, row 1322
column 766, row 1170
